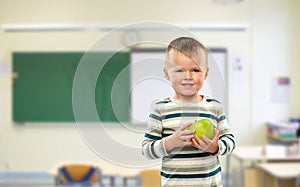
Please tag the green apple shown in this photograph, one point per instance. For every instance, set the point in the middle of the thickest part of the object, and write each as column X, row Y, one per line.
column 203, row 126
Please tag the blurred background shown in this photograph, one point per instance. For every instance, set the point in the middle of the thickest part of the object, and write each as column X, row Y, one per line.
column 261, row 40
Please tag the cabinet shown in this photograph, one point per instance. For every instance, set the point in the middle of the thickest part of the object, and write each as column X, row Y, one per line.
column 254, row 177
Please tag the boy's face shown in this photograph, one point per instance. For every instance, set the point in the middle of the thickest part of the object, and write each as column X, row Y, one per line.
column 186, row 76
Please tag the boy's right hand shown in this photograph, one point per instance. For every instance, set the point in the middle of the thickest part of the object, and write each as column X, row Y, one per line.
column 181, row 137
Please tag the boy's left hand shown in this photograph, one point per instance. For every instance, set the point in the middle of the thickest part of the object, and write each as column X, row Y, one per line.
column 206, row 144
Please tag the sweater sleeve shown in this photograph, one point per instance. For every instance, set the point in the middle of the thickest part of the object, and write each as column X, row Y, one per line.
column 153, row 144
column 226, row 141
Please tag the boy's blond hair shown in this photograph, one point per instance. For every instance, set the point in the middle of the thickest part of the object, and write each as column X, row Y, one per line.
column 191, row 48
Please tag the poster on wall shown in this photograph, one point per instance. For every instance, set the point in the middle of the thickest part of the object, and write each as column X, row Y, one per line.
column 280, row 89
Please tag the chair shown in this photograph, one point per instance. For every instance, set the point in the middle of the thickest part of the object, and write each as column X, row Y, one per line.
column 150, row 178
column 70, row 175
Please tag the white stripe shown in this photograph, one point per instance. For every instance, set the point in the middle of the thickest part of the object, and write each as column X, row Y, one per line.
column 201, row 182
column 189, row 161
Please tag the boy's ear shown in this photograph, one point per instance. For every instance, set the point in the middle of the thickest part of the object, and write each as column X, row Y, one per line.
column 206, row 73
column 166, row 74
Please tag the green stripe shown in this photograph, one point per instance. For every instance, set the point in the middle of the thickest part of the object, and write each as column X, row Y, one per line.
column 190, row 168
column 184, row 108
column 155, row 131
column 189, row 149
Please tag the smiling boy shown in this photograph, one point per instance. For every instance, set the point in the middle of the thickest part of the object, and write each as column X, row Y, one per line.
column 186, row 160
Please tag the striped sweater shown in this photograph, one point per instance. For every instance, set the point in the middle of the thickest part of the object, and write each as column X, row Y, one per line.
column 186, row 166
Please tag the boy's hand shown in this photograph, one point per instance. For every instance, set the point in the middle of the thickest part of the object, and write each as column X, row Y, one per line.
column 206, row 144
column 181, row 137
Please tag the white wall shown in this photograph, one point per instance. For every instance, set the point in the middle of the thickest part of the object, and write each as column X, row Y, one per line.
column 273, row 47
column 80, row 11
column 36, row 147
column 295, row 56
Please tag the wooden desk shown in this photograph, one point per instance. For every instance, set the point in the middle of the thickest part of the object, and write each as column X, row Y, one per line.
column 244, row 154
column 256, row 154
column 289, row 170
column 253, row 154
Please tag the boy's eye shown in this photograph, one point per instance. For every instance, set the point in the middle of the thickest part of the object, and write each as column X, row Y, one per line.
column 196, row 70
column 179, row 70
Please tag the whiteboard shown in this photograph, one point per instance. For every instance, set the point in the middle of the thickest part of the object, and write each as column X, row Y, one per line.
column 148, row 84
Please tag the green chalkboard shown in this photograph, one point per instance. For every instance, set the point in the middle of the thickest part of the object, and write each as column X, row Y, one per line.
column 42, row 85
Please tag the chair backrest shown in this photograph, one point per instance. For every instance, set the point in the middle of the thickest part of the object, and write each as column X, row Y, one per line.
column 150, row 178
column 78, row 173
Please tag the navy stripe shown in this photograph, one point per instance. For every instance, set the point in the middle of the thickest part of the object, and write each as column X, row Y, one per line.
column 155, row 117
column 221, row 118
column 66, row 174
column 225, row 146
column 152, row 150
column 202, row 175
column 193, row 155
column 175, row 115
column 152, row 137
column 231, row 138
column 88, row 176
column 166, row 135
column 209, row 100
column 226, row 135
column 233, row 142
column 164, row 101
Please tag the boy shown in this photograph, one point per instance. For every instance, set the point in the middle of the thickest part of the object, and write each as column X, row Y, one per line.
column 187, row 160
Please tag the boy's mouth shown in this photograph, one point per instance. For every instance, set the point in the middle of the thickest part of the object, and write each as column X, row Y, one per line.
column 187, row 84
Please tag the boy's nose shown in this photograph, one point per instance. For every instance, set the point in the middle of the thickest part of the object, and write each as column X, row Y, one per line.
column 188, row 75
